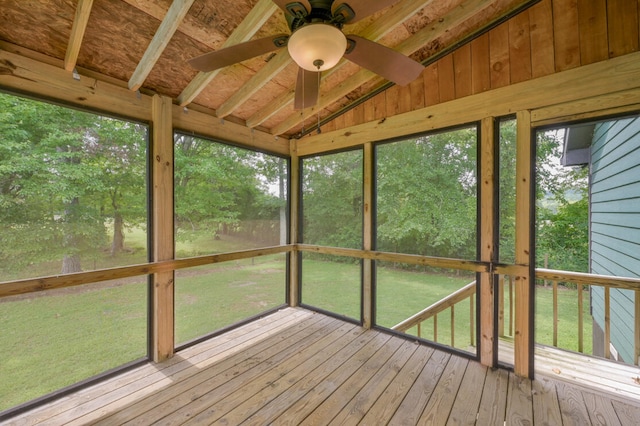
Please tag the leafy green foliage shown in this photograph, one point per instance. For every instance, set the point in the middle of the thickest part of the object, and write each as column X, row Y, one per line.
column 64, row 176
column 427, row 195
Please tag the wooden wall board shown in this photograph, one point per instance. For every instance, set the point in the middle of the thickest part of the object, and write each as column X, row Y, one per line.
column 462, row 71
column 480, row 67
column 446, row 79
column 541, row 33
column 519, row 48
column 592, row 21
column 566, row 36
column 431, row 87
column 622, row 26
column 499, row 56
column 598, row 79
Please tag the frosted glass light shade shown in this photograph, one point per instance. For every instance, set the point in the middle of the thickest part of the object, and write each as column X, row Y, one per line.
column 317, row 44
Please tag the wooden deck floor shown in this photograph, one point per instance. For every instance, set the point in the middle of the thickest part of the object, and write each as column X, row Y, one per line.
column 298, row 367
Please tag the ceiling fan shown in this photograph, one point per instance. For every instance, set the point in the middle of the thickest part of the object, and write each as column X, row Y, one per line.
column 317, row 43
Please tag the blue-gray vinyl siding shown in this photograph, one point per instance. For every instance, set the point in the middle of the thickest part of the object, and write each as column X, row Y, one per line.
column 615, row 222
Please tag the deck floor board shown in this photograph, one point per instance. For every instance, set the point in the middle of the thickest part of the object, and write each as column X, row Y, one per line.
column 299, row 367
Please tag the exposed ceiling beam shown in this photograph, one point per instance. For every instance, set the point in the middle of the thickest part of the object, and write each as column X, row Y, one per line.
column 395, row 16
column 262, row 77
column 176, row 13
column 83, row 10
column 260, row 13
column 461, row 13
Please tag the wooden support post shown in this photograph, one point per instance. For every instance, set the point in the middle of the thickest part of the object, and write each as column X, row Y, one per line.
column 523, row 287
column 488, row 348
column 163, row 282
column 367, row 238
column 294, row 202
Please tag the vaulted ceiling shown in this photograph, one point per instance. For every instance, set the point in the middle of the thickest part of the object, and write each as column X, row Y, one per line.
column 146, row 44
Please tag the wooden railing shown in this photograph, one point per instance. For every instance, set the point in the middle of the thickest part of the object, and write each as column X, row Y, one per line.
column 449, row 302
column 556, row 279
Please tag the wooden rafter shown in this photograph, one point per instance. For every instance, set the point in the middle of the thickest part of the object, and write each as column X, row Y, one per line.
column 463, row 12
column 168, row 27
column 83, row 10
column 394, row 17
column 247, row 28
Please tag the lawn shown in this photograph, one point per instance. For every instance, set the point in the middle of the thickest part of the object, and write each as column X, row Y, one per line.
column 57, row 338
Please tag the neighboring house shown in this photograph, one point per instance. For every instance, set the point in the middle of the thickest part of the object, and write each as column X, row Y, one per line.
column 612, row 150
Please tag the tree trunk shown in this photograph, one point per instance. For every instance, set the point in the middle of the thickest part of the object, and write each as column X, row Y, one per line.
column 71, row 264
column 118, row 235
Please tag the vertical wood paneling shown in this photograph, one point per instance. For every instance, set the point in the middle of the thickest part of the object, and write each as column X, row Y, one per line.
column 480, row 74
column 392, row 97
column 404, row 99
column 358, row 115
column 541, row 33
column 369, row 109
column 431, row 87
column 446, row 79
column 592, row 21
column 380, row 106
column 520, row 48
column 566, row 35
column 462, row 71
column 416, row 92
column 499, row 56
column 623, row 22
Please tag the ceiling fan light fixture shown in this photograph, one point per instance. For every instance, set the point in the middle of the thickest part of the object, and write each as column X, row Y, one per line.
column 317, row 47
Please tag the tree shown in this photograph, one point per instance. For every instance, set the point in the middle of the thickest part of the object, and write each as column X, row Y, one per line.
column 57, row 166
column 427, row 195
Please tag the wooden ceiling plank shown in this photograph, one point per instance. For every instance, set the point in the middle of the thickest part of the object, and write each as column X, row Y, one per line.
column 176, row 13
column 257, row 82
column 463, row 12
column 396, row 15
column 260, row 13
column 83, row 10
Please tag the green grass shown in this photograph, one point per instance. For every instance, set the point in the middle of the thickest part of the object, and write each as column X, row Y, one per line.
column 54, row 339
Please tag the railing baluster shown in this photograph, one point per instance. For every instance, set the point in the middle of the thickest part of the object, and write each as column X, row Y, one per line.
column 580, row 320
column 472, row 321
column 435, row 328
column 555, row 313
column 419, row 329
column 510, row 305
column 636, row 319
column 453, row 326
column 607, row 324
column 501, row 305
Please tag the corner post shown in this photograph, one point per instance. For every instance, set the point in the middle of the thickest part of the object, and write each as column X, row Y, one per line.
column 294, row 201
column 367, row 238
column 524, row 285
column 163, row 239
column 485, row 289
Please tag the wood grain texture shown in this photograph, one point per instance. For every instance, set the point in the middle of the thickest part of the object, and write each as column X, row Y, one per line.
column 295, row 366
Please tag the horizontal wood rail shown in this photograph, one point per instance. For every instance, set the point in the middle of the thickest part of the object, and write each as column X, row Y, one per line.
column 441, row 305
column 31, row 285
column 414, row 259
